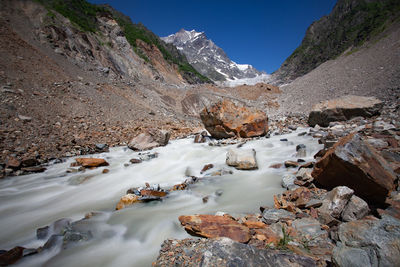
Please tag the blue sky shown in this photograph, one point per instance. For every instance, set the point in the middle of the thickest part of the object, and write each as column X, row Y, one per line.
column 256, row 32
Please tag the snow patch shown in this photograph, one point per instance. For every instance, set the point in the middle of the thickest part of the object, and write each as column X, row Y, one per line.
column 263, row 78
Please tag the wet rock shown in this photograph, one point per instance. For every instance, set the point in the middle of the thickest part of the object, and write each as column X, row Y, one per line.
column 301, row 151
column 304, row 174
column 13, row 163
column 242, row 159
column 42, row 233
column 276, row 165
column 135, row 161
column 201, row 137
column 345, row 108
column 291, row 164
column 149, row 140
column 29, row 162
column 105, row 171
column 224, row 252
column 354, row 163
column 35, row 169
column 152, row 193
column 226, row 119
column 146, row 156
column 270, row 216
column 356, row 209
column 336, row 200
column 212, row 226
column 206, row 168
column 288, row 181
column 11, row 256
column 127, row 200
column 380, row 239
column 101, row 148
column 91, row 162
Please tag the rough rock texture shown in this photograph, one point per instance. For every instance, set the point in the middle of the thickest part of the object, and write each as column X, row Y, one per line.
column 336, row 200
column 356, row 209
column 344, row 108
column 270, row 216
column 224, row 252
column 212, row 226
column 353, row 163
column 242, row 159
column 127, row 200
column 379, row 239
column 149, row 140
column 226, row 119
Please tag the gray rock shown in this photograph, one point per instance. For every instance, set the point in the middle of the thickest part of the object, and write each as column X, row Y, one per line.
column 309, row 228
column 380, row 239
column 149, row 140
column 345, row 108
column 377, row 143
column 270, row 216
column 304, row 174
column 350, row 257
column 356, row 209
column 288, row 181
column 24, row 118
column 224, row 252
column 242, row 159
column 336, row 200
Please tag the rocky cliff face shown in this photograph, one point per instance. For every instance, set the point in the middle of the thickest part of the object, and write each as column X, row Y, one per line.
column 210, row 60
column 350, row 24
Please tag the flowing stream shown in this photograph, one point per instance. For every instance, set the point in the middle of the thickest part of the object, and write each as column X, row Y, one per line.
column 132, row 236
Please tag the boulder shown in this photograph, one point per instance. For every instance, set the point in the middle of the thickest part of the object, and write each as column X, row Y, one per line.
column 91, row 162
column 379, row 239
column 212, row 226
column 335, row 201
column 224, row 252
column 226, row 119
column 149, row 140
column 11, row 256
column 270, row 216
column 353, row 163
column 127, row 200
column 344, row 108
column 242, row 159
column 356, row 209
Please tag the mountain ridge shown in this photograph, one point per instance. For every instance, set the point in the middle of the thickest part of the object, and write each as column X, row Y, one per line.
column 211, row 60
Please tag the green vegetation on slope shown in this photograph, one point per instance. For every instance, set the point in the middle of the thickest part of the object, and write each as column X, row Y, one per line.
column 351, row 23
column 83, row 14
column 79, row 12
column 134, row 32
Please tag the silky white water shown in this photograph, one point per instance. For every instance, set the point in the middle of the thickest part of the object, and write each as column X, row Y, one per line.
column 132, row 236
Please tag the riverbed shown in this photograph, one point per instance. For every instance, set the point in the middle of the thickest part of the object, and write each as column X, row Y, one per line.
column 133, row 236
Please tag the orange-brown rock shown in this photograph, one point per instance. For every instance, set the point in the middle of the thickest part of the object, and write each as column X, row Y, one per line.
column 354, row 163
column 127, row 200
column 254, row 224
column 152, row 193
column 91, row 162
column 212, row 226
column 226, row 119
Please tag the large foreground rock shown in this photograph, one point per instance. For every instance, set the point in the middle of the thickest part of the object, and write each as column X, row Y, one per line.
column 212, row 226
column 225, row 119
column 149, row 140
column 344, row 108
column 242, row 159
column 374, row 242
column 354, row 163
column 224, row 252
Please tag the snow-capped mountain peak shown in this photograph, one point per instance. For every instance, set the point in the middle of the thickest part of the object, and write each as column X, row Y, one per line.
column 210, row 60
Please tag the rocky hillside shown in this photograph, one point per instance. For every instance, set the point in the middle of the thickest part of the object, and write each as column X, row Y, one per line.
column 210, row 60
column 91, row 19
column 350, row 24
column 69, row 83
